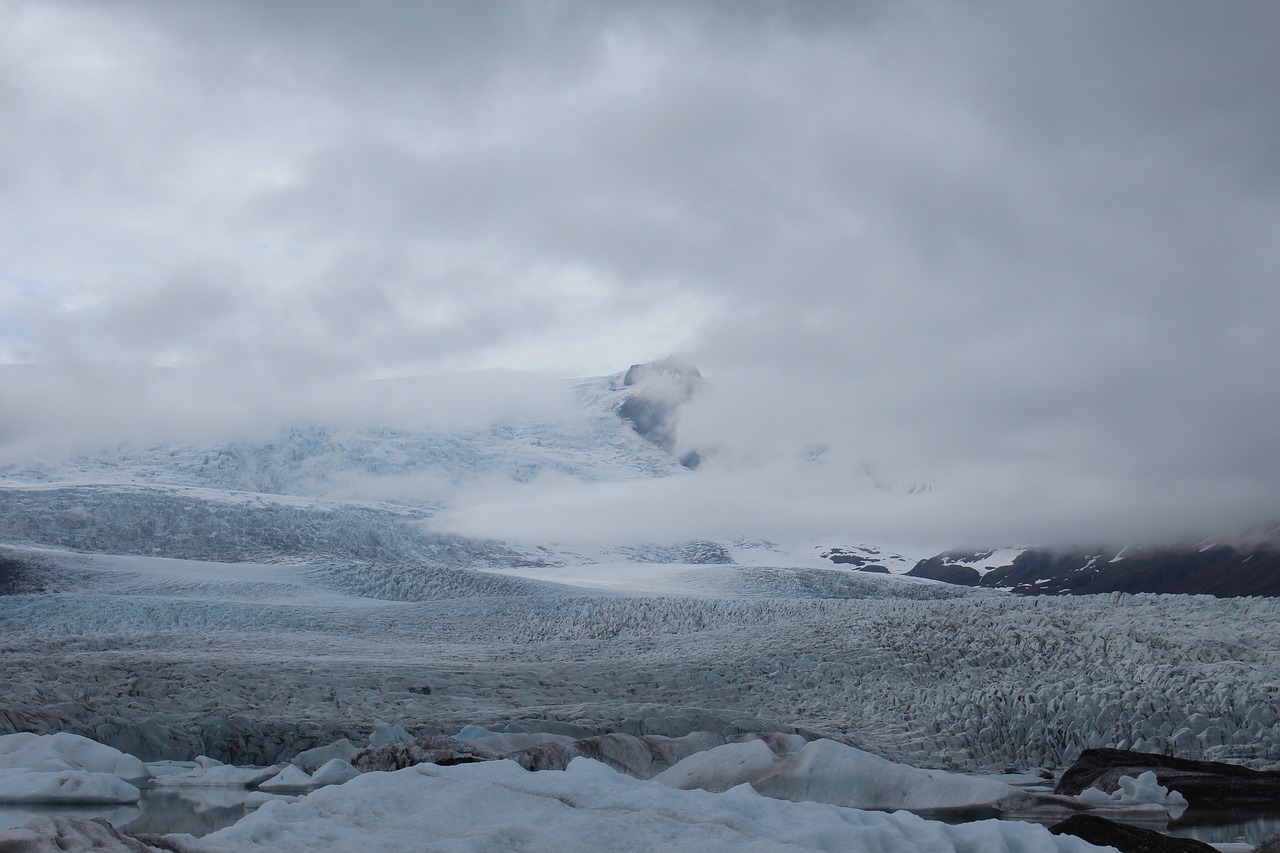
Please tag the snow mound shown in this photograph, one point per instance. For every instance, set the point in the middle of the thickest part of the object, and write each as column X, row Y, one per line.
column 825, row 771
column 499, row 806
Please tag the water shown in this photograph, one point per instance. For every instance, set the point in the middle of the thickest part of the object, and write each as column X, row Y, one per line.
column 198, row 811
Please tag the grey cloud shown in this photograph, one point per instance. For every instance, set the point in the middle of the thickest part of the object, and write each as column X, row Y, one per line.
column 1011, row 249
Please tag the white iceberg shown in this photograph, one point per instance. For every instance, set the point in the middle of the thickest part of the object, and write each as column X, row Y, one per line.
column 497, row 805
column 22, row 785
column 64, row 751
column 1136, row 794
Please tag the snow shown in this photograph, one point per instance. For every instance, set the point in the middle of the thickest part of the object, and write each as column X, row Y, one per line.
column 588, row 807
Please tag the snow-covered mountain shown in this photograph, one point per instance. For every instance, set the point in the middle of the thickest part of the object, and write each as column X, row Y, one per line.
column 346, row 491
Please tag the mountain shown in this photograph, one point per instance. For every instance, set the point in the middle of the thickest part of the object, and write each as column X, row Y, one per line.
column 659, row 389
column 1206, row 568
column 341, row 492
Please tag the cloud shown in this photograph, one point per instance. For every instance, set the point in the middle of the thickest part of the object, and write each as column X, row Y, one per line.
column 1009, row 249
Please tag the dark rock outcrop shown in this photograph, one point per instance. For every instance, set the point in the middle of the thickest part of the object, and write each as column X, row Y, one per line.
column 1207, row 785
column 661, row 388
column 1224, row 571
column 939, row 568
column 1220, row 570
column 1125, row 838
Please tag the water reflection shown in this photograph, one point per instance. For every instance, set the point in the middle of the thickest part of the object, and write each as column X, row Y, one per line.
column 198, row 811
column 11, row 815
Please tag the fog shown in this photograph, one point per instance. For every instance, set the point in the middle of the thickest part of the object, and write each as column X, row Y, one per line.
column 955, row 272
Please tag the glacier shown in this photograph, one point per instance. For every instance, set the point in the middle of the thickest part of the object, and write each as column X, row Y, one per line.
column 248, row 602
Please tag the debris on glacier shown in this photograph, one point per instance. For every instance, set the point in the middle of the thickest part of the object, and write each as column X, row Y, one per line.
column 67, row 834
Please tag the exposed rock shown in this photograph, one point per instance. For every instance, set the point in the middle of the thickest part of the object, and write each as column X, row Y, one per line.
column 1205, row 784
column 1221, row 570
column 662, row 387
column 1125, row 838
column 939, row 569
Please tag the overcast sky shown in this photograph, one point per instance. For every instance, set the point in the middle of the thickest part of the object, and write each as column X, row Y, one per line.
column 1026, row 253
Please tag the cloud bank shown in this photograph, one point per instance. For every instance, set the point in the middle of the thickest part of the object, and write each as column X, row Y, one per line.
column 1022, row 253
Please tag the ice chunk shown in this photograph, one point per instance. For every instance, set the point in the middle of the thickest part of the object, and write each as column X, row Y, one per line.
column 64, row 751
column 293, row 780
column 216, row 776
column 21, row 785
column 497, row 805
column 829, row 772
column 384, row 733
column 312, row 759
column 1145, row 790
column 334, row 772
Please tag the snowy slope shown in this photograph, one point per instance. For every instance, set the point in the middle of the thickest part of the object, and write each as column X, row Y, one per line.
column 589, row 442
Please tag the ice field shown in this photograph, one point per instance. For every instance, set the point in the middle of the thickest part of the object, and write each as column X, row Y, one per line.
column 244, row 603
column 923, row 673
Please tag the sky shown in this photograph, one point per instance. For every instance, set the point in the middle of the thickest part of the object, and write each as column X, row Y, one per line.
column 1023, row 255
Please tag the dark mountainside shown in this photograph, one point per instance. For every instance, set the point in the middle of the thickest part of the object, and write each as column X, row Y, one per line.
column 662, row 387
column 1225, row 571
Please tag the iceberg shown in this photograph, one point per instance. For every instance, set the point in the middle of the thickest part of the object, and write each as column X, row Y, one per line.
column 497, row 805
column 825, row 771
column 20, row 785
